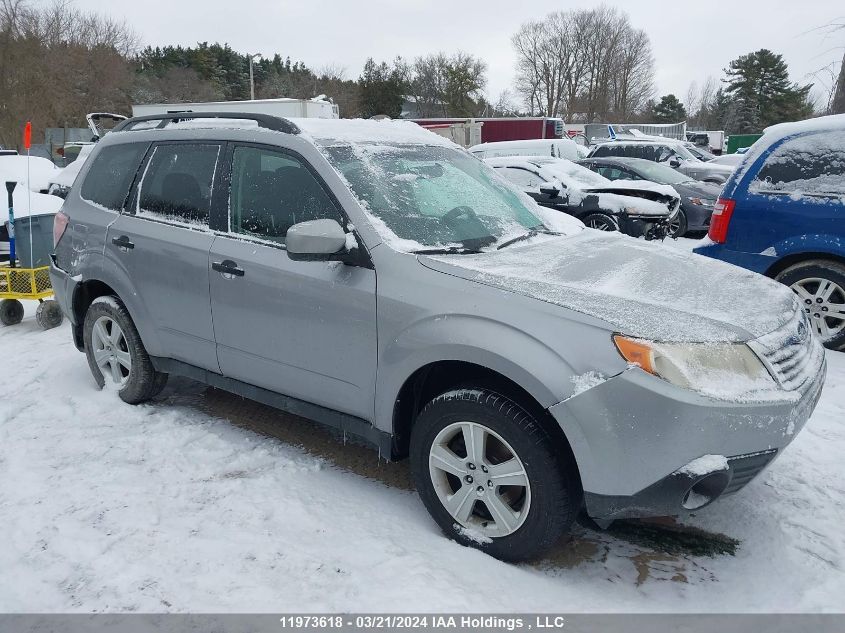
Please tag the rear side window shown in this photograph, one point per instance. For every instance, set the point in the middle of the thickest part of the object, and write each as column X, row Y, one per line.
column 602, row 150
column 177, row 183
column 812, row 164
column 110, row 176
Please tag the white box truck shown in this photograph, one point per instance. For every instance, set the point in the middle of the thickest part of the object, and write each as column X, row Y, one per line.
column 317, row 108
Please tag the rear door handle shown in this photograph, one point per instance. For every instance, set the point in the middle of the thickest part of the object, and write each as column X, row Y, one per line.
column 227, row 268
column 123, row 243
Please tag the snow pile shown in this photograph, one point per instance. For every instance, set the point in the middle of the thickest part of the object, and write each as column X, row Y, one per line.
column 641, row 289
column 22, row 198
column 705, row 465
column 36, row 171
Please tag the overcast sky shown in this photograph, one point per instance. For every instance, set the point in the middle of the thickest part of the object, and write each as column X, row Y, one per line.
column 691, row 40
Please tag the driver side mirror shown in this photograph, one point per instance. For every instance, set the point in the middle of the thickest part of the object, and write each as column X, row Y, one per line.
column 548, row 189
column 315, row 240
column 674, row 162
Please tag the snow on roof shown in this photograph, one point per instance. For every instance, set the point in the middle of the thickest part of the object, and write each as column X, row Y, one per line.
column 356, row 131
column 532, row 142
column 35, row 170
column 832, row 122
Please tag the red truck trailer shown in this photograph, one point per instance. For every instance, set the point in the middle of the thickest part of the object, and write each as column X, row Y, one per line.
column 507, row 128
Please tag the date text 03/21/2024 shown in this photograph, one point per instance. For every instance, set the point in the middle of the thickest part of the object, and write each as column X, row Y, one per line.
column 445, row 622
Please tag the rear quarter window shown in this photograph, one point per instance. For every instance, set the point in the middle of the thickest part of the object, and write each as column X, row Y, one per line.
column 811, row 164
column 110, row 175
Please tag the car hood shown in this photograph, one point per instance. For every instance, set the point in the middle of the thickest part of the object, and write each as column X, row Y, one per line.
column 640, row 289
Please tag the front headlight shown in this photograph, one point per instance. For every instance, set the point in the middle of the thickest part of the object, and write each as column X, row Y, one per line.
column 716, row 369
column 703, row 202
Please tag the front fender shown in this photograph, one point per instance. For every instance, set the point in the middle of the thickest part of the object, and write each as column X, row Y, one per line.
column 494, row 345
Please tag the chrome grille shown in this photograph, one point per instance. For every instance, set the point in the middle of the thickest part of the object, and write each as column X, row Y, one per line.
column 792, row 353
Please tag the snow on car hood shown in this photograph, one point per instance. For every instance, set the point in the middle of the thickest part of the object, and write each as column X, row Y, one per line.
column 641, row 289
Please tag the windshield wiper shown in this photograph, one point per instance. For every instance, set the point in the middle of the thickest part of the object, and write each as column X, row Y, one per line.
column 450, row 250
column 531, row 233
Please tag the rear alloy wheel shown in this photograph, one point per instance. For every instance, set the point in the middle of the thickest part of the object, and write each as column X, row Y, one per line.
column 820, row 286
column 601, row 222
column 678, row 226
column 490, row 475
column 116, row 355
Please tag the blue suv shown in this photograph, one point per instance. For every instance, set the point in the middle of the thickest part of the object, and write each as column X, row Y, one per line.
column 782, row 214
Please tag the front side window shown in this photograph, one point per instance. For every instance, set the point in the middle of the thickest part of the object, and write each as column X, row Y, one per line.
column 110, row 176
column 271, row 191
column 812, row 164
column 177, row 183
column 432, row 196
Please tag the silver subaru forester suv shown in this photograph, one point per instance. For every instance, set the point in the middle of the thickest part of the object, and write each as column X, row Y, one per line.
column 374, row 277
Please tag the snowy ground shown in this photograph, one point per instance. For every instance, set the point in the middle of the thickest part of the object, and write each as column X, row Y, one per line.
column 194, row 503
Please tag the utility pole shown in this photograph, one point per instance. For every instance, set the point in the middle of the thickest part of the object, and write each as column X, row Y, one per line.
column 251, row 77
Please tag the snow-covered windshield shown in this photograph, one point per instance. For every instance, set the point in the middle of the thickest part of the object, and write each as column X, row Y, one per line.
column 660, row 173
column 423, row 197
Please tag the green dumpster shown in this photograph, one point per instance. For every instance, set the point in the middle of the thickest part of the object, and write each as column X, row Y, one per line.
column 738, row 141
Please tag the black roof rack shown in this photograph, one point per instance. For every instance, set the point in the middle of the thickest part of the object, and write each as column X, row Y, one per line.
column 275, row 123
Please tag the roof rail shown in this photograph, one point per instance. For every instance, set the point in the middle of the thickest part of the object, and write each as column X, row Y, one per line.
column 275, row 123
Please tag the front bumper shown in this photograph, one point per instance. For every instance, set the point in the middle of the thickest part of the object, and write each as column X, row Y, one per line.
column 650, row 228
column 698, row 216
column 633, row 434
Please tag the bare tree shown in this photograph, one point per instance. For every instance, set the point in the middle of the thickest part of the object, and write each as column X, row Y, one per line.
column 58, row 63
column 587, row 63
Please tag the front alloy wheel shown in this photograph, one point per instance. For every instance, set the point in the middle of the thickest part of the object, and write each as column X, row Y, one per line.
column 820, row 286
column 601, row 222
column 479, row 479
column 491, row 475
column 824, row 303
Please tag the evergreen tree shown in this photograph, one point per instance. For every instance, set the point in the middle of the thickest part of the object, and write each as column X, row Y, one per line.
column 669, row 110
column 383, row 88
column 759, row 85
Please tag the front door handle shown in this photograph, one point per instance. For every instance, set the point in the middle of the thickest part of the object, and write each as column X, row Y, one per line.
column 227, row 268
column 122, row 243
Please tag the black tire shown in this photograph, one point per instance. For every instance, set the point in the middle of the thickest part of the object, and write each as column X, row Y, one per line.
column 11, row 311
column 554, row 496
column 679, row 229
column 143, row 381
column 819, row 269
column 601, row 222
column 49, row 314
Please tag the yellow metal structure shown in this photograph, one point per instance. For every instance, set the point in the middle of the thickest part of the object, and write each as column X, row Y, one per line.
column 25, row 283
